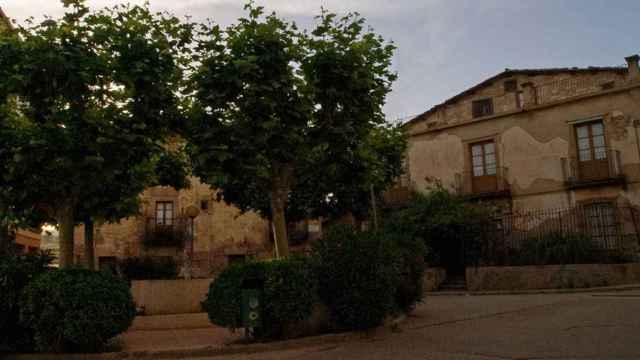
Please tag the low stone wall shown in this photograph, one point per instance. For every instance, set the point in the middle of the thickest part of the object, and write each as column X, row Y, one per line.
column 551, row 276
column 170, row 296
column 433, row 277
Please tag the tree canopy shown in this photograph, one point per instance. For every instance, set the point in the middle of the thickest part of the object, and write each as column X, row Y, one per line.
column 99, row 96
column 289, row 120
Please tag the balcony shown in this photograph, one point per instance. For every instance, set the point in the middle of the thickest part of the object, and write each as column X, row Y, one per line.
column 169, row 232
column 483, row 187
column 604, row 168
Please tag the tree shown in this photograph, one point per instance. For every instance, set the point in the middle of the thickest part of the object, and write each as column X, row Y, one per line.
column 273, row 105
column 99, row 98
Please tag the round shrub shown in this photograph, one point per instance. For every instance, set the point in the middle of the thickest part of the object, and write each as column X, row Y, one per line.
column 411, row 266
column 289, row 293
column 76, row 310
column 16, row 271
column 357, row 277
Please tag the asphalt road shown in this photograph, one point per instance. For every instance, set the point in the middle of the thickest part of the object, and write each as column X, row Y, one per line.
column 559, row 326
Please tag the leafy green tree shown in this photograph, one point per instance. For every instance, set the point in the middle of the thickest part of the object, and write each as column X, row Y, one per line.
column 99, row 95
column 273, row 105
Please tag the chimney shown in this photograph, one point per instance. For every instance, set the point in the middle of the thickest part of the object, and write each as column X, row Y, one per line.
column 632, row 64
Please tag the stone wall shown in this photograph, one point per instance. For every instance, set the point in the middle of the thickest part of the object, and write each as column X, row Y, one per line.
column 551, row 276
column 170, row 296
column 221, row 230
column 533, row 147
column 433, row 278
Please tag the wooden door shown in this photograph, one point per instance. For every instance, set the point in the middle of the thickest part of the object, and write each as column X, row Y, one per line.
column 592, row 152
column 484, row 171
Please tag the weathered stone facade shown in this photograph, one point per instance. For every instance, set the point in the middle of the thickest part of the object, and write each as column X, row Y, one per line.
column 535, row 128
column 222, row 233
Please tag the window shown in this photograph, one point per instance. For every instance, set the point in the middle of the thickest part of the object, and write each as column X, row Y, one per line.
column 164, row 212
column 590, row 141
column 510, row 85
column 601, row 223
column 483, row 159
column 482, row 107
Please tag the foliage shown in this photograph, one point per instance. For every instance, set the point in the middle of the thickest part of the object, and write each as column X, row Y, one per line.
column 76, row 310
column 440, row 219
column 289, row 292
column 16, row 272
column 411, row 253
column 273, row 106
column 357, row 273
column 99, row 96
column 557, row 248
column 148, row 268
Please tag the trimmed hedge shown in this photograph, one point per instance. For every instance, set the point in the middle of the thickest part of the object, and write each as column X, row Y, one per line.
column 16, row 272
column 358, row 274
column 76, row 310
column 288, row 296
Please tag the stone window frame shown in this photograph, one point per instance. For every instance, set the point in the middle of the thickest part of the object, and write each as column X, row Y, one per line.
column 573, row 138
column 467, row 143
column 482, row 107
column 164, row 221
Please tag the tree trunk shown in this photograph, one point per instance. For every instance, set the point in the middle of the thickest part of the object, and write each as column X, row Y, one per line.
column 278, row 206
column 89, row 251
column 6, row 240
column 65, row 219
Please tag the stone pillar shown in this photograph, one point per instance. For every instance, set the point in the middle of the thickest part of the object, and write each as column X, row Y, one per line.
column 633, row 68
column 529, row 96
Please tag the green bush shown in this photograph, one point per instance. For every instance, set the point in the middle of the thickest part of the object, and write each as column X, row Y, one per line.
column 148, row 268
column 289, row 294
column 557, row 248
column 411, row 266
column 16, row 271
column 440, row 219
column 76, row 310
column 357, row 276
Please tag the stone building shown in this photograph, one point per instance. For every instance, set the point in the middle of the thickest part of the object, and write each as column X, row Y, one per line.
column 536, row 139
column 222, row 234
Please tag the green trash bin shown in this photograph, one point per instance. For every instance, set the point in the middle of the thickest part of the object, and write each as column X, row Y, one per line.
column 252, row 303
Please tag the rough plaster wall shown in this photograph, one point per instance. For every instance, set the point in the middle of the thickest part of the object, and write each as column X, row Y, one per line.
column 220, row 230
column 441, row 157
column 529, row 160
column 550, row 88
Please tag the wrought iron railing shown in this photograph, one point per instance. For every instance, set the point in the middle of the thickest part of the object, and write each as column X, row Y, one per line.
column 470, row 184
column 165, row 232
column 601, row 165
column 608, row 232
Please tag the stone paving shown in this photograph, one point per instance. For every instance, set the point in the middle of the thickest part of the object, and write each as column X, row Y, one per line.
column 184, row 331
column 548, row 326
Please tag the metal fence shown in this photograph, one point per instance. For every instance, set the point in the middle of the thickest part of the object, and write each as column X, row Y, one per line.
column 606, row 229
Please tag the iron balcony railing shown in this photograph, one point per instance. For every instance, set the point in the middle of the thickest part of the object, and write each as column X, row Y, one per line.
column 469, row 183
column 165, row 232
column 600, row 165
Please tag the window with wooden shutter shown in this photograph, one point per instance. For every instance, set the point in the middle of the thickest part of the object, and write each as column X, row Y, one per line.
column 510, row 85
column 481, row 108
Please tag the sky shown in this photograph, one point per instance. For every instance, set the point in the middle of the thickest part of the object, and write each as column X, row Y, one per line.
column 444, row 46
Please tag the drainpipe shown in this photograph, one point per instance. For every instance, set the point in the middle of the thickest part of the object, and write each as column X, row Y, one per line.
column 635, row 128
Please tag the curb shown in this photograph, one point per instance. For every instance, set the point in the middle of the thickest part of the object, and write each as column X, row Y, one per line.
column 231, row 349
column 535, row 291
